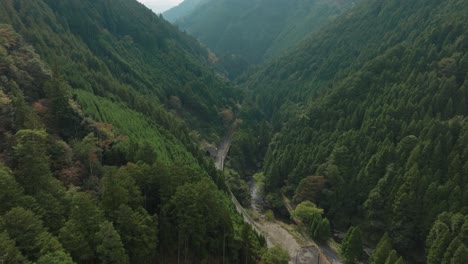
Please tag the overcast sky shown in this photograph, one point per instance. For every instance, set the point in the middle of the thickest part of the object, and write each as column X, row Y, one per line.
column 160, row 6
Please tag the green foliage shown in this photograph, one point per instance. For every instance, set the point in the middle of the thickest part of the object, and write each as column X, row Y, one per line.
column 238, row 187
column 10, row 254
column 104, row 107
column 58, row 257
column 139, row 233
column 65, row 120
column 376, row 104
column 250, row 142
column 119, row 188
column 110, row 248
column 138, row 127
column 382, row 250
column 351, row 247
column 78, row 233
column 400, row 261
column 29, row 233
column 446, row 238
column 275, row 255
column 255, row 31
column 321, row 229
column 11, row 190
column 460, row 256
column 122, row 50
column 392, row 257
column 198, row 213
column 33, row 172
column 34, row 175
column 306, row 211
column 318, row 227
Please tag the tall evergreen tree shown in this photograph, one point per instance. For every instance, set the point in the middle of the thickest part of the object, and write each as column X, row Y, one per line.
column 109, row 246
column 382, row 250
column 351, row 248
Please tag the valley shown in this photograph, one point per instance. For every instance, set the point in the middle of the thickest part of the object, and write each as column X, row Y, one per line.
column 301, row 249
column 341, row 130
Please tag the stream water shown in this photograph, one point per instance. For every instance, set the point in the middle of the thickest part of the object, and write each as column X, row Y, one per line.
column 257, row 201
column 274, row 232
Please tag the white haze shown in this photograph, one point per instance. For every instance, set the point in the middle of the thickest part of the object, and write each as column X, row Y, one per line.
column 159, row 6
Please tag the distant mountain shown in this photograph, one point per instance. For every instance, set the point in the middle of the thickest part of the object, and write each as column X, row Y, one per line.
column 256, row 30
column 183, row 9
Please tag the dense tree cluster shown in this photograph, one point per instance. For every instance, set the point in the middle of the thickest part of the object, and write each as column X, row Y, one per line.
column 247, row 32
column 317, row 226
column 123, row 52
column 376, row 105
column 447, row 240
column 74, row 190
column 351, row 246
column 384, row 252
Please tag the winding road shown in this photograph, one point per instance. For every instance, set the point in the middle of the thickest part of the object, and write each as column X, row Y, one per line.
column 301, row 249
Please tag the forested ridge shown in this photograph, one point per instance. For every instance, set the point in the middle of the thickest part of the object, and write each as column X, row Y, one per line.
column 102, row 107
column 122, row 51
column 361, row 128
column 368, row 120
column 246, row 32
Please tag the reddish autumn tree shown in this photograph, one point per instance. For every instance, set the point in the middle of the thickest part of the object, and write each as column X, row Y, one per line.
column 309, row 189
column 227, row 116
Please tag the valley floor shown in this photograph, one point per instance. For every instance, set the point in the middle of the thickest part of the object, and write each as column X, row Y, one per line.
column 301, row 249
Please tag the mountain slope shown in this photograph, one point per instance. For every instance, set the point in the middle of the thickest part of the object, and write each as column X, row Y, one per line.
column 117, row 56
column 258, row 30
column 94, row 167
column 377, row 104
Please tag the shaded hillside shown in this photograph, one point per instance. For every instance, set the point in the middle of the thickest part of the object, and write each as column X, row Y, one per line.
column 257, row 30
column 377, row 104
column 121, row 50
column 93, row 166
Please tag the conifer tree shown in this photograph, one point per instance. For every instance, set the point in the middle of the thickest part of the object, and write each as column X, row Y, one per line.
column 460, row 256
column 392, row 257
column 400, row 261
column 110, row 249
column 31, row 237
column 139, row 233
column 11, row 191
column 57, row 257
column 351, row 247
column 382, row 250
column 9, row 252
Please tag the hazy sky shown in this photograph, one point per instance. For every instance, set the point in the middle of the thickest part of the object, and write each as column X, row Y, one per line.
column 160, row 6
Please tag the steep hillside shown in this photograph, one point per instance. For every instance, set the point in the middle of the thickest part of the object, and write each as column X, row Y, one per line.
column 377, row 104
column 257, row 30
column 121, row 50
column 93, row 166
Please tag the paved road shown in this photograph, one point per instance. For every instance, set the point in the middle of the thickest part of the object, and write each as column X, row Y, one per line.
column 275, row 234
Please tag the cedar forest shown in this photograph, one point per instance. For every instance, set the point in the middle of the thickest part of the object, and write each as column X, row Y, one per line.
column 355, row 111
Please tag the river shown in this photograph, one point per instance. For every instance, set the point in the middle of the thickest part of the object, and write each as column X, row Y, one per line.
column 301, row 249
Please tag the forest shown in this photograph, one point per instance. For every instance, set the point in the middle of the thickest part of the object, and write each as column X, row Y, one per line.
column 352, row 113
column 99, row 156
column 368, row 120
column 245, row 33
